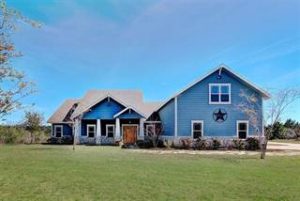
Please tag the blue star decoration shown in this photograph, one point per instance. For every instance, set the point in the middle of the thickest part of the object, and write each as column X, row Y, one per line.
column 220, row 115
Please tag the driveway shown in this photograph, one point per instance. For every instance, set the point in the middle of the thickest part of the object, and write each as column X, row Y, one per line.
column 274, row 149
column 280, row 147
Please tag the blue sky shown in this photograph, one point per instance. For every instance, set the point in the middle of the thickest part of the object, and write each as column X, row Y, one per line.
column 155, row 46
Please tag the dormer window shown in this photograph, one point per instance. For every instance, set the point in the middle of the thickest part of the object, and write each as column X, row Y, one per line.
column 219, row 93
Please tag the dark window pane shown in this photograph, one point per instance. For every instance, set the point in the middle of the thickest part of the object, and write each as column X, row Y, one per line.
column 242, row 126
column 214, row 98
column 197, row 134
column 225, row 89
column 197, row 126
column 91, row 131
column 110, row 131
column 225, row 98
column 91, row 135
column 110, row 134
column 58, row 131
column 215, row 89
column 242, row 134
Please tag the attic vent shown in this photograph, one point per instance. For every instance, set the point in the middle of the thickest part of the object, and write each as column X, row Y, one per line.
column 220, row 74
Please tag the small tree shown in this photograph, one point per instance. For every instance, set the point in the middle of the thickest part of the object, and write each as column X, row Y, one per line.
column 278, row 105
column 13, row 85
column 33, row 123
column 154, row 133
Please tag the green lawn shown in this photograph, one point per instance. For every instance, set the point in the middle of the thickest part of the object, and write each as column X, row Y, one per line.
column 108, row 173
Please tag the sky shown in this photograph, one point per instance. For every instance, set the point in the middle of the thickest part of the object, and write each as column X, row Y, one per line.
column 156, row 46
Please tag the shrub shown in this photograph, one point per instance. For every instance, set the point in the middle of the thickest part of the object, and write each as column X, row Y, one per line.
column 239, row 144
column 252, row 144
column 290, row 134
column 215, row 144
column 63, row 140
column 227, row 144
column 199, row 144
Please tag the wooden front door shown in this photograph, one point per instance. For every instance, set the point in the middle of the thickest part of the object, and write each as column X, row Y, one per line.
column 130, row 134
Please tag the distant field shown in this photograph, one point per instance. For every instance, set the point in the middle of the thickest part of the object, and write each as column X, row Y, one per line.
column 108, row 173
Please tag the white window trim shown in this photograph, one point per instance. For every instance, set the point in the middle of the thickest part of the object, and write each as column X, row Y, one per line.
column 237, row 127
column 220, row 92
column 87, row 130
column 62, row 130
column 114, row 130
column 149, row 125
column 192, row 127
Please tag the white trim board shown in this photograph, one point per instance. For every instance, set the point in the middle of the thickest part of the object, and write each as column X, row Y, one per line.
column 192, row 127
column 87, row 130
column 128, row 108
column 210, row 85
column 62, row 130
column 237, row 127
column 106, row 129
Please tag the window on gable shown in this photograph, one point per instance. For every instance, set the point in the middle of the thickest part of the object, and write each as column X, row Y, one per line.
column 220, row 93
column 91, row 130
column 58, row 131
column 110, row 130
column 242, row 129
column 197, row 129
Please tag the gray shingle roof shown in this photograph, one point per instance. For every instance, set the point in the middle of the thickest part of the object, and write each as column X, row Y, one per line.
column 62, row 112
column 129, row 98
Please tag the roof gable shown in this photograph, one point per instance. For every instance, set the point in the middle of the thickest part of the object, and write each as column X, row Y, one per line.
column 64, row 112
column 219, row 69
column 124, row 97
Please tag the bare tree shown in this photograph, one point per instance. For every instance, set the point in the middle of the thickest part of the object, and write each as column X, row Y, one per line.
column 277, row 106
column 13, row 85
column 154, row 132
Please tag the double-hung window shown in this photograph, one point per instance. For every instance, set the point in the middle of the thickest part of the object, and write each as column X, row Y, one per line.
column 91, row 130
column 197, row 129
column 110, row 130
column 219, row 93
column 58, row 131
column 150, row 130
column 242, row 129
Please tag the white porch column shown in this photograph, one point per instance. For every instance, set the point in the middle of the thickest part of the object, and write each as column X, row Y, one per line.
column 142, row 121
column 118, row 129
column 98, row 137
column 77, row 130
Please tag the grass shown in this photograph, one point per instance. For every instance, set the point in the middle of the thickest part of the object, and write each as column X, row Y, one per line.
column 108, row 173
column 286, row 141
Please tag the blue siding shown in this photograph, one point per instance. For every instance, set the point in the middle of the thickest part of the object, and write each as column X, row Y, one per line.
column 130, row 115
column 67, row 129
column 167, row 118
column 104, row 110
column 193, row 104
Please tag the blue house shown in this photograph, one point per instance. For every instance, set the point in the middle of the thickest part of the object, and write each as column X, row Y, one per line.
column 207, row 108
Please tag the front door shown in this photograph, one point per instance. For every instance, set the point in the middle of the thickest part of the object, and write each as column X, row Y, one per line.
column 130, row 134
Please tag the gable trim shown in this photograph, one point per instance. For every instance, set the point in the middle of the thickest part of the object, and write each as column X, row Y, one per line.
column 219, row 68
column 98, row 101
column 129, row 108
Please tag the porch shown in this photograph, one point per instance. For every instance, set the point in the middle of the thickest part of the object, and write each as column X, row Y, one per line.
column 110, row 131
